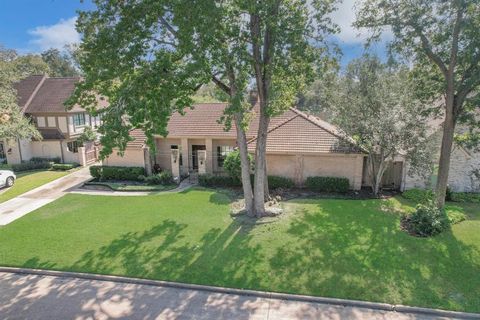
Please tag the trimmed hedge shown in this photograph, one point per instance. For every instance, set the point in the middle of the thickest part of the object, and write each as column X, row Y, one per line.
column 328, row 184
column 210, row 180
column 275, row 182
column 117, row 173
column 163, row 178
column 41, row 159
column 64, row 166
column 30, row 165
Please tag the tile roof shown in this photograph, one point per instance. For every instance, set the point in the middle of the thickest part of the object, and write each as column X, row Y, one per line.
column 306, row 134
column 291, row 132
column 139, row 139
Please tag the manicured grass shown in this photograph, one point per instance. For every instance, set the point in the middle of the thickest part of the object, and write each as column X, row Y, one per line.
column 327, row 247
column 29, row 180
column 117, row 186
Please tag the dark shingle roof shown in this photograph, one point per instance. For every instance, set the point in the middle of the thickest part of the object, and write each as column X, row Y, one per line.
column 26, row 87
column 52, row 95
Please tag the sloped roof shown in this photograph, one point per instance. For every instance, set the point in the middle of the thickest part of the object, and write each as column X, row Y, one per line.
column 139, row 139
column 52, row 95
column 25, row 88
column 41, row 94
column 291, row 132
column 202, row 120
column 306, row 134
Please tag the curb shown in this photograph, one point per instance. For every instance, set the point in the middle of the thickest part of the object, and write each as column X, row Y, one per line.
column 242, row 292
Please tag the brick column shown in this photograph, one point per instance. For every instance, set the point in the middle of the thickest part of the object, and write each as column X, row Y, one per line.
column 185, row 155
column 175, row 162
column 202, row 159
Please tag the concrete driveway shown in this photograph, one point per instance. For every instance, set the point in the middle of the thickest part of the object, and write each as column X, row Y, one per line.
column 51, row 297
column 25, row 203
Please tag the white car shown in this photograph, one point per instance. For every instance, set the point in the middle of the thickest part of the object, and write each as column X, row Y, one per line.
column 7, row 178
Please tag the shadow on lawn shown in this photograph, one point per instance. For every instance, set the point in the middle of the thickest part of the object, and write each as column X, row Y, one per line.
column 372, row 259
column 332, row 249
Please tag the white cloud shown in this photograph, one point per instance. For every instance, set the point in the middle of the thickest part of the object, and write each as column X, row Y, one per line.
column 344, row 17
column 55, row 36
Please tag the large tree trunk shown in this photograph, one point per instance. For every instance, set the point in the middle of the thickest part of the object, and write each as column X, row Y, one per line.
column 245, row 163
column 445, row 151
column 260, row 164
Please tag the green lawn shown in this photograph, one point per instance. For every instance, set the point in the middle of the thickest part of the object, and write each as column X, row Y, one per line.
column 337, row 248
column 30, row 180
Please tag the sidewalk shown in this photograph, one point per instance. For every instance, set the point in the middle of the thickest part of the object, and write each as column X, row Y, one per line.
column 28, row 296
column 25, row 203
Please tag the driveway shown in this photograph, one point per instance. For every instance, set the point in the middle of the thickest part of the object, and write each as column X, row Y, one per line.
column 51, row 297
column 25, row 203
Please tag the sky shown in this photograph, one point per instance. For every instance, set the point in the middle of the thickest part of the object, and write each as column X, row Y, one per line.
column 36, row 25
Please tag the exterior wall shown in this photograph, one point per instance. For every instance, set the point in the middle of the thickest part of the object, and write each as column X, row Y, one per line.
column 46, row 149
column 68, row 156
column 163, row 153
column 62, row 124
column 300, row 167
column 464, row 173
column 133, row 157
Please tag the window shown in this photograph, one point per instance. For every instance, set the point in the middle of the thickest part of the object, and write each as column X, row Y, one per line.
column 72, row 146
column 222, row 152
column 79, row 119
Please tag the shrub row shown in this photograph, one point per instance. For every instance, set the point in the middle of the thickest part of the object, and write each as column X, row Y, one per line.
column 211, row 180
column 328, row 184
column 117, row 173
column 162, row 178
column 323, row 184
column 275, row 182
column 425, row 195
column 41, row 159
column 64, row 166
column 30, row 165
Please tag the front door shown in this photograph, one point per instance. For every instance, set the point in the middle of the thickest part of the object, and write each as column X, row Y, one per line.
column 195, row 149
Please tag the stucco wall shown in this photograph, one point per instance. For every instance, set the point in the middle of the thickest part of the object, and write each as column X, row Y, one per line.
column 163, row 152
column 299, row 167
column 133, row 157
column 46, row 149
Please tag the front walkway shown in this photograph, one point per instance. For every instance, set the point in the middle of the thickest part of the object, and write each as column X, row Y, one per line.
column 25, row 203
column 51, row 297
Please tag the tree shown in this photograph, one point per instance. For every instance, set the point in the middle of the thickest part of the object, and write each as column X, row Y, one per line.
column 88, row 135
column 148, row 58
column 233, row 164
column 13, row 123
column 373, row 104
column 59, row 64
column 442, row 38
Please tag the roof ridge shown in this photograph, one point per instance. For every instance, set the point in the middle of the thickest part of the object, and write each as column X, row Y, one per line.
column 315, row 122
column 275, row 128
column 34, row 92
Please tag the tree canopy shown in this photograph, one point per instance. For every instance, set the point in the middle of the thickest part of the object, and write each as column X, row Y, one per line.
column 149, row 57
column 60, row 64
column 441, row 39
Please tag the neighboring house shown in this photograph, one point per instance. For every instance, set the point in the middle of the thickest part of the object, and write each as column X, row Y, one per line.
column 298, row 146
column 42, row 99
column 464, row 172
